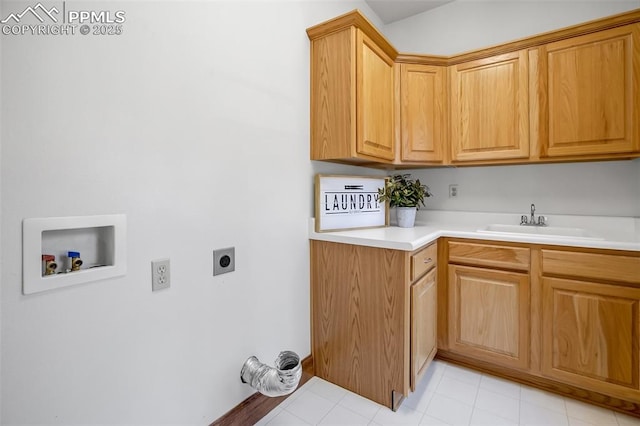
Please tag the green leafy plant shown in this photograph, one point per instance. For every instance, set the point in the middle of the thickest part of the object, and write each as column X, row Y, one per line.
column 402, row 191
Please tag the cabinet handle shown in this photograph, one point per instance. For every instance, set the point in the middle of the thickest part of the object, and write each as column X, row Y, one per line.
column 427, row 260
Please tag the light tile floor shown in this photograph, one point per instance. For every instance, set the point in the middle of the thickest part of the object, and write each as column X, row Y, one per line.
column 447, row 395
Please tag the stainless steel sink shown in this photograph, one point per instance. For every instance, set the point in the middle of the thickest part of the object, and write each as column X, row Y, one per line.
column 540, row 231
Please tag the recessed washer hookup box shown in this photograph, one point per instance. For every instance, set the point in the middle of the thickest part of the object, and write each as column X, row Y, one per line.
column 99, row 241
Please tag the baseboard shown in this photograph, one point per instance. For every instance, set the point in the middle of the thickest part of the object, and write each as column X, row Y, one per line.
column 252, row 409
column 628, row 407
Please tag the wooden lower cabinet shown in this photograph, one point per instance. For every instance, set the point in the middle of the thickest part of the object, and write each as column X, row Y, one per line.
column 591, row 320
column 424, row 314
column 591, row 335
column 489, row 315
column 563, row 319
column 373, row 318
column 359, row 319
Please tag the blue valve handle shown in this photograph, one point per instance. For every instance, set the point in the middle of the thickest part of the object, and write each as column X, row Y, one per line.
column 73, row 254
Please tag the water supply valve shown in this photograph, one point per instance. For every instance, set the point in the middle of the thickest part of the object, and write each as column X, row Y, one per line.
column 49, row 264
column 74, row 258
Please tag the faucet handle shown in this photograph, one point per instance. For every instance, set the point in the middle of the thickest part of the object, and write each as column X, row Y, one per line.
column 542, row 221
column 524, row 220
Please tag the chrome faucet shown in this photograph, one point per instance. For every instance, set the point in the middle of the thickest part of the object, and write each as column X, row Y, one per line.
column 533, row 212
column 525, row 221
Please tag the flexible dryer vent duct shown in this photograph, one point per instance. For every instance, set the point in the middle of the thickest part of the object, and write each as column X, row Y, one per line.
column 270, row 381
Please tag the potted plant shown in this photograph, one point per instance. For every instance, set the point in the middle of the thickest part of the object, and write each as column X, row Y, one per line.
column 406, row 195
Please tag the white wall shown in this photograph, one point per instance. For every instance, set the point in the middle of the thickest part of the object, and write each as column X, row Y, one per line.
column 608, row 188
column 195, row 124
column 465, row 25
column 1, row 257
column 600, row 188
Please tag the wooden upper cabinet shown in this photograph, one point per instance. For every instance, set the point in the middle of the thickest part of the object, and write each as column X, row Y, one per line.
column 589, row 94
column 567, row 95
column 423, row 113
column 352, row 98
column 332, row 96
column 489, row 108
column 374, row 100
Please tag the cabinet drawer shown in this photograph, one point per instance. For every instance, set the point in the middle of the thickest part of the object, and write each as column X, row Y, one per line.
column 490, row 255
column 423, row 260
column 592, row 265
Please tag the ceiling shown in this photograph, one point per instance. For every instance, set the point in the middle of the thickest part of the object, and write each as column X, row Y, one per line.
column 394, row 10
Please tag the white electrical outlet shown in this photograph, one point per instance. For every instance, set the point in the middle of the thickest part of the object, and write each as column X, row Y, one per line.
column 453, row 190
column 160, row 274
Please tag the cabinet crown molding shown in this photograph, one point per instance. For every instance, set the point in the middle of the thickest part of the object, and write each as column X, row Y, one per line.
column 356, row 19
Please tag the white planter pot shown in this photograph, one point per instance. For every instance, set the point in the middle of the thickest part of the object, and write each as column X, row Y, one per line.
column 406, row 216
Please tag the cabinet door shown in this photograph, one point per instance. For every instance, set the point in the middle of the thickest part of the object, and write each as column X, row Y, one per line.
column 591, row 336
column 424, row 298
column 592, row 104
column 423, row 106
column 374, row 105
column 490, row 108
column 489, row 315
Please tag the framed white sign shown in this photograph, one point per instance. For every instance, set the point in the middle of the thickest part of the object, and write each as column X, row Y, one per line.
column 349, row 202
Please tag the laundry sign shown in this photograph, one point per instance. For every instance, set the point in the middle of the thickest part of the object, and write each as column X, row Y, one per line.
column 349, row 202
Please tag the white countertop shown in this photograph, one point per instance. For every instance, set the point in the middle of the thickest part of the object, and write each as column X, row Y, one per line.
column 618, row 233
